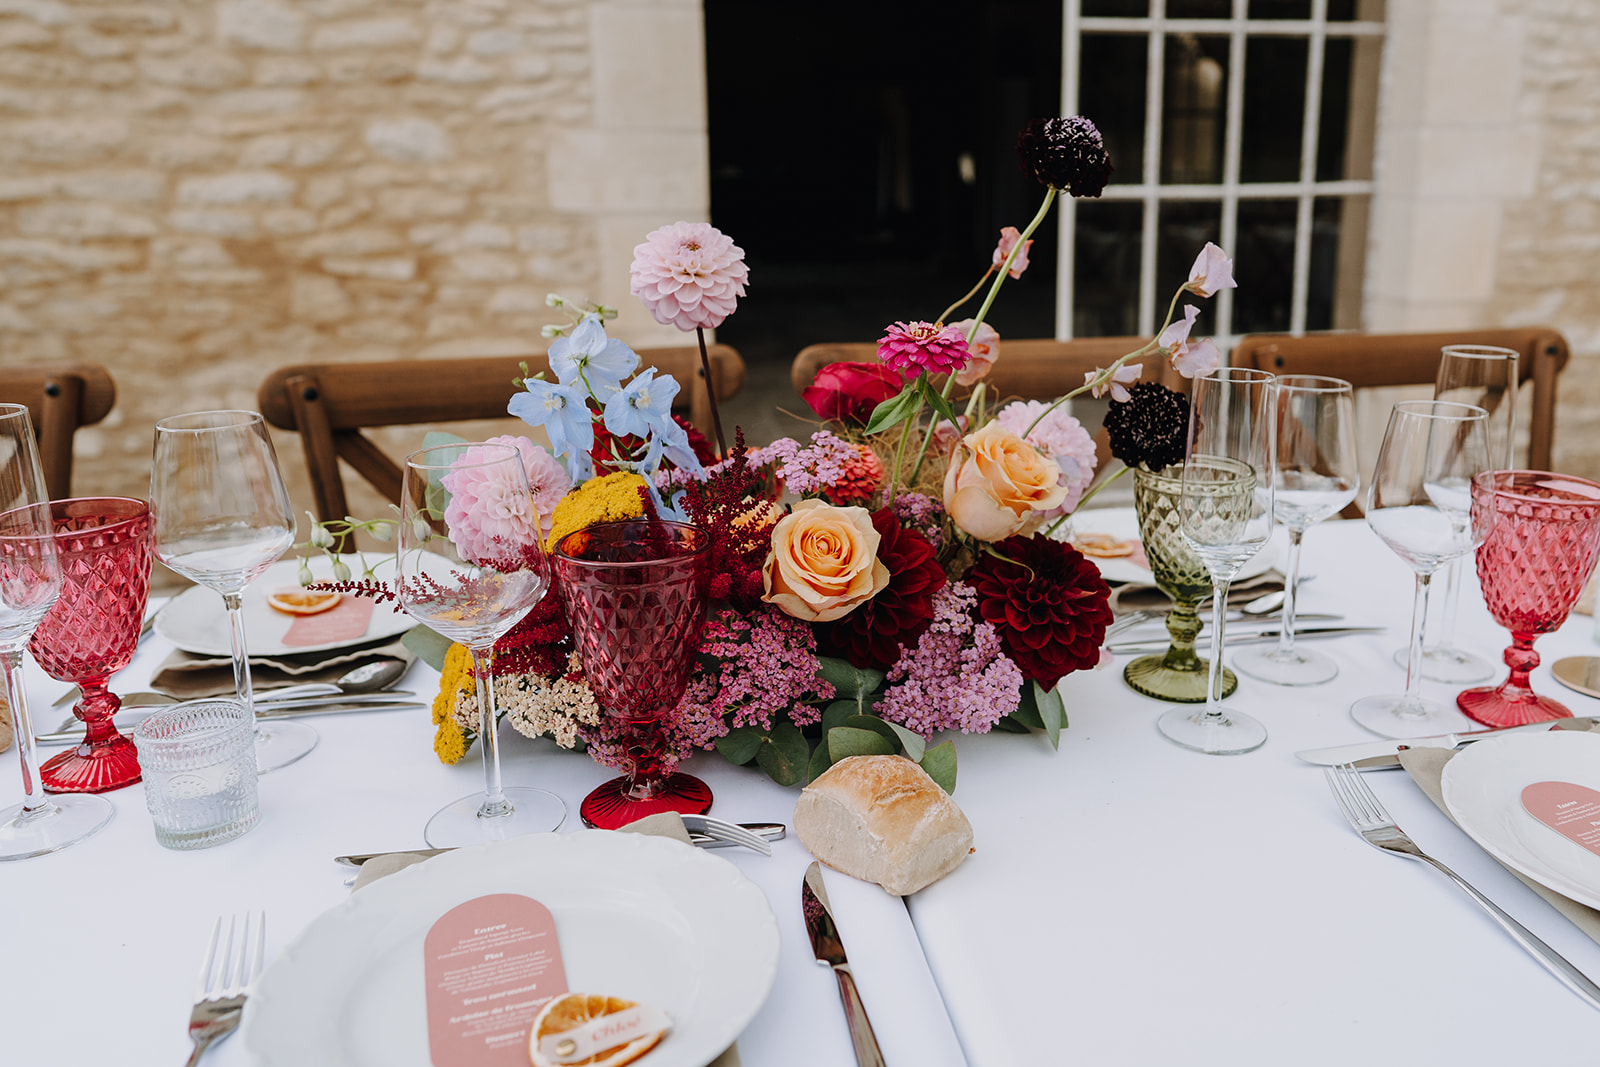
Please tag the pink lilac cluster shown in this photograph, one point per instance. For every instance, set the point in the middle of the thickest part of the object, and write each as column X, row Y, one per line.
column 488, row 515
column 809, row 469
column 689, row 275
column 923, row 514
column 1062, row 438
column 957, row 678
column 914, row 347
column 766, row 669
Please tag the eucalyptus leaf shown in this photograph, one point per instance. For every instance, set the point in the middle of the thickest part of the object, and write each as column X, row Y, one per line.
column 820, row 761
column 740, row 744
column 912, row 743
column 877, row 726
column 849, row 681
column 1008, row 724
column 785, row 754
column 430, row 646
column 844, row 741
column 940, row 763
column 1052, row 710
column 836, row 713
column 1027, row 712
column 894, row 411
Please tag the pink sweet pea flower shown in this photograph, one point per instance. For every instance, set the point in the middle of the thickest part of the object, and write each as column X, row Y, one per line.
column 1008, row 240
column 984, row 348
column 1176, row 335
column 1118, row 383
column 1196, row 360
column 1212, row 270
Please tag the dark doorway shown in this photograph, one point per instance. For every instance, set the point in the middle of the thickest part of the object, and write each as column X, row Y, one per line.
column 862, row 154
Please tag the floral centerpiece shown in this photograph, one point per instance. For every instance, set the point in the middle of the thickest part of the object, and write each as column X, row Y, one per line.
column 888, row 579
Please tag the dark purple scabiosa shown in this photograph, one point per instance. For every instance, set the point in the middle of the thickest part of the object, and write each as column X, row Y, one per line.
column 1066, row 154
column 1149, row 429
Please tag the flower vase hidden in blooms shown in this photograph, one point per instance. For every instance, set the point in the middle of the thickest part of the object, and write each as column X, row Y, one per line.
column 1532, row 566
column 91, row 632
column 635, row 595
column 1178, row 674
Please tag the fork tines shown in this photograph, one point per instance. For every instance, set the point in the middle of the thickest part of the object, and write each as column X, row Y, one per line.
column 727, row 831
column 228, row 974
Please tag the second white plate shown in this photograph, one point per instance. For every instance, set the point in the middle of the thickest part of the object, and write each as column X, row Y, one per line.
column 1483, row 786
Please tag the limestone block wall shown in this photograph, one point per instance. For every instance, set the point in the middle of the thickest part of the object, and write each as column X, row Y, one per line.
column 193, row 192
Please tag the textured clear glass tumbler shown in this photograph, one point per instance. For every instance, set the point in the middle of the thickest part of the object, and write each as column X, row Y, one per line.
column 199, row 762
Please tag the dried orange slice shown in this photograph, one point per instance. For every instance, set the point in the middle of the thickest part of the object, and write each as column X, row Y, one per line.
column 572, row 1010
column 1103, row 545
column 303, row 601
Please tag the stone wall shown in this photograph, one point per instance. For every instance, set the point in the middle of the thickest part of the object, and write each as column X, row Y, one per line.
column 193, row 192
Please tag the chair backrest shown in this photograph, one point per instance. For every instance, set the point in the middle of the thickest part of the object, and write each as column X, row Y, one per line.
column 60, row 398
column 1368, row 360
column 329, row 404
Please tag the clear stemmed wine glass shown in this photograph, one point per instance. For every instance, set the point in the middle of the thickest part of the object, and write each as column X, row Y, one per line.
column 30, row 582
column 1317, row 474
column 222, row 517
column 471, row 565
column 1420, row 504
column 1225, row 510
column 1486, row 377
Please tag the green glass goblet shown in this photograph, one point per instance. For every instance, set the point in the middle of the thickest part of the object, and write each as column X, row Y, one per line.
column 1178, row 674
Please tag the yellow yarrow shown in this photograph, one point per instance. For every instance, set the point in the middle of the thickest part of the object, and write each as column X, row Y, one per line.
column 451, row 742
column 611, row 498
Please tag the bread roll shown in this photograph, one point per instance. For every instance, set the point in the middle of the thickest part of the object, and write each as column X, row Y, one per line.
column 882, row 819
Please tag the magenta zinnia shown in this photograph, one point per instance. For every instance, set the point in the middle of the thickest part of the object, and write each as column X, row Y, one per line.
column 1048, row 603
column 914, row 347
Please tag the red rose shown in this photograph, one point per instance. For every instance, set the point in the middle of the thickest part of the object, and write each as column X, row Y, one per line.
column 1048, row 604
column 873, row 634
column 848, row 392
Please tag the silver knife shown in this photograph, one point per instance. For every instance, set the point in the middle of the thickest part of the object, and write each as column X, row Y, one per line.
column 1253, row 637
column 829, row 950
column 772, row 831
column 285, row 710
column 1378, row 754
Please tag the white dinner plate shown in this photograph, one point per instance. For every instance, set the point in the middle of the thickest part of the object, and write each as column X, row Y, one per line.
column 645, row 918
column 1483, row 790
column 1123, row 523
column 196, row 620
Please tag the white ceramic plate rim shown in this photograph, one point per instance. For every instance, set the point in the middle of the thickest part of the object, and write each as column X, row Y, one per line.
column 296, row 1014
column 1124, row 523
column 1482, row 789
column 196, row 621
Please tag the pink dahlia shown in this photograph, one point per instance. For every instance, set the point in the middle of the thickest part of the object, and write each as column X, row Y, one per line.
column 688, row 274
column 1059, row 436
column 489, row 515
column 912, row 348
column 862, row 477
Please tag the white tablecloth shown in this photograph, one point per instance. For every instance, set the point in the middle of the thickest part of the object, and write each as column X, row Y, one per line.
column 1130, row 902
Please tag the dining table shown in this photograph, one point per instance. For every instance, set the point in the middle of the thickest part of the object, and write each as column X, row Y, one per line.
column 1128, row 901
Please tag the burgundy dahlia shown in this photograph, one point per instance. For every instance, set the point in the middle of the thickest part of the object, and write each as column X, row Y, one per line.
column 1066, row 154
column 872, row 635
column 1048, row 603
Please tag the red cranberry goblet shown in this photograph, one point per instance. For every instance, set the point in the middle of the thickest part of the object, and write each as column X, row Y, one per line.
column 103, row 544
column 1532, row 566
column 635, row 596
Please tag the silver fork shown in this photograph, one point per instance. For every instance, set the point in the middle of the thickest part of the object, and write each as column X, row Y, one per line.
column 225, row 979
column 1372, row 822
column 726, row 831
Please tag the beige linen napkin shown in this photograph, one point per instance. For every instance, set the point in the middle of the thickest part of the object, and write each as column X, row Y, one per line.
column 8, row 733
column 1136, row 596
column 1426, row 767
column 665, row 824
column 188, row 676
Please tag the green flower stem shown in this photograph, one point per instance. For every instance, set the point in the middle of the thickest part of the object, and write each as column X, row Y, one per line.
column 988, row 301
column 946, row 313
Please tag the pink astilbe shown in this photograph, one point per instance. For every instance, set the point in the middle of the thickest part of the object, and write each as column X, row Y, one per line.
column 1061, row 437
column 688, row 274
column 763, row 669
column 914, row 347
column 957, row 678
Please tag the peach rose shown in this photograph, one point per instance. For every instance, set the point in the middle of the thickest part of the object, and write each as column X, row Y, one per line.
column 999, row 485
column 823, row 562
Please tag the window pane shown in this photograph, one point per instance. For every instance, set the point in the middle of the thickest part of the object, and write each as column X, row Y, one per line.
column 1274, row 109
column 1281, row 9
column 1105, row 274
column 1199, row 9
column 1111, row 92
column 1192, row 122
column 1263, row 265
column 1354, row 10
column 1338, row 259
column 1349, row 108
column 1186, row 226
column 1127, row 9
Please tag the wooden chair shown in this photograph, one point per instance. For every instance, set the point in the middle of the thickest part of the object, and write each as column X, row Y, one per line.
column 329, row 404
column 1368, row 360
column 60, row 398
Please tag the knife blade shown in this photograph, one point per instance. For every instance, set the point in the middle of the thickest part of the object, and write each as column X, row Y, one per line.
column 829, row 950
column 1373, row 755
column 1253, row 637
column 286, row 710
column 772, row 831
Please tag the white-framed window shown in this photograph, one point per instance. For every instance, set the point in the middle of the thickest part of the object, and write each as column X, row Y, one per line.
column 1245, row 122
